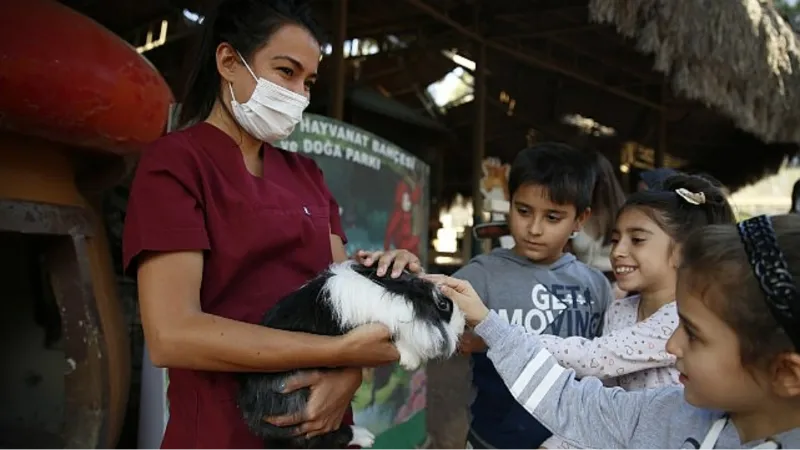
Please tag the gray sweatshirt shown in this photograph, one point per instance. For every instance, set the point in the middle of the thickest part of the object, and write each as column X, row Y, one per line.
column 566, row 298
column 591, row 415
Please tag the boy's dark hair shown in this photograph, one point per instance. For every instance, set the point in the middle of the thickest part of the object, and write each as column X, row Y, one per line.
column 795, row 198
column 566, row 172
column 716, row 266
column 677, row 216
column 247, row 25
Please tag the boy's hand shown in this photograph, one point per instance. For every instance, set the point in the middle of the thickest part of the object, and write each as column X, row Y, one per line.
column 471, row 343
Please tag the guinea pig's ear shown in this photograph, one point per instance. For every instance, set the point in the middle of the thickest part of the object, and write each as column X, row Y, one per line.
column 363, row 270
column 370, row 273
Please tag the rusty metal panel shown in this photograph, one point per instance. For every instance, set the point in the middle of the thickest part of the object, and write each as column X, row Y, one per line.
column 66, row 260
column 86, row 408
column 42, row 218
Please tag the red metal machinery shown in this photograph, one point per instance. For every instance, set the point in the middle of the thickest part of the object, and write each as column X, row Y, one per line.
column 75, row 99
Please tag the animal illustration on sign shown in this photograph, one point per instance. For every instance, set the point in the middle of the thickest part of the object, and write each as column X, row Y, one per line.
column 494, row 184
column 424, row 323
column 494, row 187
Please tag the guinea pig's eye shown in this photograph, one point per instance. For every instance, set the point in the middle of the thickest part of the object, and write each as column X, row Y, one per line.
column 443, row 304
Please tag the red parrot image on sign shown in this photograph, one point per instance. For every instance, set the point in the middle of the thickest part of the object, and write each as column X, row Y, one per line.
column 400, row 229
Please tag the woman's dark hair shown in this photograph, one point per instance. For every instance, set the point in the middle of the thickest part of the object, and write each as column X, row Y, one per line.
column 796, row 198
column 607, row 199
column 678, row 216
column 716, row 267
column 247, row 26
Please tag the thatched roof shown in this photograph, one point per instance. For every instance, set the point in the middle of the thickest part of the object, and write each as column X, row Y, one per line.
column 716, row 83
column 738, row 56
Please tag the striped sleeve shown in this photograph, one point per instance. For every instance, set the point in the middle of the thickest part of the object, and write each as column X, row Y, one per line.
column 585, row 413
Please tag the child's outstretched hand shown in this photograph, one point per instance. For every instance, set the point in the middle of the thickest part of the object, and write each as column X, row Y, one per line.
column 463, row 295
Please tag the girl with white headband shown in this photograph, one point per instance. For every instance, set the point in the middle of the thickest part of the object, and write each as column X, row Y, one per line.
column 646, row 245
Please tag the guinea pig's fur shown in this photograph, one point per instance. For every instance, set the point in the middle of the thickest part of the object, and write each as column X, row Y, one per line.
column 425, row 325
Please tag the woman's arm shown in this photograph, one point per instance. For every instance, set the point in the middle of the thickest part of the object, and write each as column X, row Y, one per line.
column 338, row 252
column 180, row 335
column 618, row 352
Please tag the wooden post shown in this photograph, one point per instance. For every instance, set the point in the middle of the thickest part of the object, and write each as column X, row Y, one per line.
column 479, row 142
column 339, row 78
column 661, row 148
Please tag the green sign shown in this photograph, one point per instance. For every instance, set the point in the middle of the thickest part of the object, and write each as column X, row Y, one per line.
column 384, row 201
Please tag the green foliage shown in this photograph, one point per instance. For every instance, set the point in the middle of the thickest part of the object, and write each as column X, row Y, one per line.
column 377, row 220
column 790, row 10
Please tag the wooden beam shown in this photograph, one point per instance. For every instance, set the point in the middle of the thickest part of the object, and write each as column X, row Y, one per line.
column 661, row 150
column 409, row 89
column 640, row 73
column 559, row 132
column 479, row 138
column 550, row 31
column 529, row 59
column 540, row 8
column 637, row 70
column 429, row 46
column 394, row 26
column 376, row 75
column 339, row 82
column 518, row 132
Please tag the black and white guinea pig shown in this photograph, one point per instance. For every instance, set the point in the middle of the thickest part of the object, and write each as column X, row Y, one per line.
column 425, row 326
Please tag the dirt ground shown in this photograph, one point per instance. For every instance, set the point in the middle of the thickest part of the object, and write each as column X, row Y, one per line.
column 448, row 396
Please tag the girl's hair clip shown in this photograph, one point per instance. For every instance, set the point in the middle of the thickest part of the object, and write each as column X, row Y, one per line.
column 695, row 198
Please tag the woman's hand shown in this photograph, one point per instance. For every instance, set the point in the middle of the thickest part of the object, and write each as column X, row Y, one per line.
column 331, row 394
column 368, row 346
column 463, row 295
column 397, row 259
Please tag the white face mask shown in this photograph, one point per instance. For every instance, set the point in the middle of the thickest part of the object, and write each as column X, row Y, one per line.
column 272, row 111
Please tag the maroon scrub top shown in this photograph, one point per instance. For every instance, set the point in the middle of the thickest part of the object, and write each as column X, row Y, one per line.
column 262, row 238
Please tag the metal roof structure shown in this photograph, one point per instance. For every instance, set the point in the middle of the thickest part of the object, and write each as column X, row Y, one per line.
column 716, row 88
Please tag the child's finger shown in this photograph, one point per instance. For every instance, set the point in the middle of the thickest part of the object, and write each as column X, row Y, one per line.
column 461, row 286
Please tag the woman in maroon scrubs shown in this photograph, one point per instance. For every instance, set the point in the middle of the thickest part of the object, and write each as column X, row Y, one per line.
column 221, row 224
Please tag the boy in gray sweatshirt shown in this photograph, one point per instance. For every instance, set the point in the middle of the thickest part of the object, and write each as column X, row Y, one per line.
column 535, row 284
